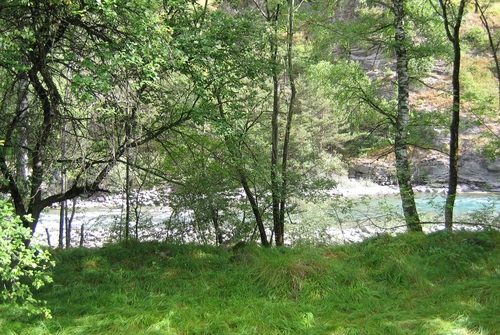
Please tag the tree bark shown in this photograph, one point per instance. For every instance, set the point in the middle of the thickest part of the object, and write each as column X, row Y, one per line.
column 276, row 195
column 453, row 33
column 255, row 209
column 403, row 117
column 493, row 46
column 22, row 110
column 279, row 238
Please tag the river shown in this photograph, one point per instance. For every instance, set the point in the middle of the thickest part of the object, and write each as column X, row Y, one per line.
column 355, row 219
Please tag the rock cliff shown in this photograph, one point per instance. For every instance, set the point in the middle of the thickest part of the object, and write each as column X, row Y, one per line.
column 476, row 172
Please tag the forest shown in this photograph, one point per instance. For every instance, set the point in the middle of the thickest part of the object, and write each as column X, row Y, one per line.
column 239, row 114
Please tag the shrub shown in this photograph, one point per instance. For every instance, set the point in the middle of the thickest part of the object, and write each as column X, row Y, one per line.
column 22, row 267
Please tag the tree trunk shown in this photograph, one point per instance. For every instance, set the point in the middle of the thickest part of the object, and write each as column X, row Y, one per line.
column 215, row 221
column 127, row 197
column 82, row 235
column 403, row 117
column 453, row 177
column 69, row 221
column 279, row 238
column 62, row 205
column 22, row 110
column 493, row 45
column 49, row 100
column 255, row 209
column 275, row 183
column 453, row 34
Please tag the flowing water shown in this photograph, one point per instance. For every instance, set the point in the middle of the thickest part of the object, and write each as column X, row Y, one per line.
column 345, row 220
column 465, row 204
column 361, row 219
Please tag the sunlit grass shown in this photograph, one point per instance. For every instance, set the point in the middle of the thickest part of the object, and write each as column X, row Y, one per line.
column 409, row 284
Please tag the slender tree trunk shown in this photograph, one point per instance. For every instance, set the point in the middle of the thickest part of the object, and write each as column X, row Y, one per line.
column 69, row 221
column 275, row 176
column 61, row 225
column 137, row 214
column 82, row 235
column 67, row 225
column 215, row 221
column 255, row 209
column 22, row 111
column 130, row 128
column 493, row 45
column 244, row 182
column 48, row 237
column 63, row 204
column 454, row 150
column 279, row 238
column 127, row 198
column 400, row 144
column 453, row 34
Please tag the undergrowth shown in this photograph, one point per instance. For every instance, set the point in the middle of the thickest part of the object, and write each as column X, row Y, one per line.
column 409, row 284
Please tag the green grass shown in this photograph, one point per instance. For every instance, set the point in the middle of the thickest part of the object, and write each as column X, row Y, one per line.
column 409, row 284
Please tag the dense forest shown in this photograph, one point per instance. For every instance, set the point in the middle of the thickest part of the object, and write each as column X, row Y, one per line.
column 239, row 111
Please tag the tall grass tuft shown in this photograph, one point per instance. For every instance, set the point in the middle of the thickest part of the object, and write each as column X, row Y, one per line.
column 408, row 284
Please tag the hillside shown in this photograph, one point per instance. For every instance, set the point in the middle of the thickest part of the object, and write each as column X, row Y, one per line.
column 478, row 169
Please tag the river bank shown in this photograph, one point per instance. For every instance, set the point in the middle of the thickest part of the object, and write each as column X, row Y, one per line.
column 356, row 187
column 377, row 209
column 351, row 188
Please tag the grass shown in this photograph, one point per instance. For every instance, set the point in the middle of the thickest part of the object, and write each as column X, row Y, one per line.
column 409, row 284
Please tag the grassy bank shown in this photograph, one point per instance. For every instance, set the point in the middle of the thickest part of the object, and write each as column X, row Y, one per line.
column 410, row 284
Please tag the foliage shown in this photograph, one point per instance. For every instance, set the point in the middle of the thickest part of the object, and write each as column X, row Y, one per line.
column 22, row 269
column 105, row 81
column 409, row 284
column 352, row 94
column 477, row 38
column 181, row 93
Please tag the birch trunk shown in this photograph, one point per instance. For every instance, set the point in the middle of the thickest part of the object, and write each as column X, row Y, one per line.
column 403, row 118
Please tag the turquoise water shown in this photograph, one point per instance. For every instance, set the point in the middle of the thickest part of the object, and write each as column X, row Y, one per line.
column 433, row 204
column 340, row 219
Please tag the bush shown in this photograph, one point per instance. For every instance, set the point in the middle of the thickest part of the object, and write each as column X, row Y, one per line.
column 476, row 37
column 22, row 268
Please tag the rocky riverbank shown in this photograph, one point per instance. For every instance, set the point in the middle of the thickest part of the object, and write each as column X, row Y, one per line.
column 158, row 198
column 150, row 198
column 430, row 173
column 99, row 219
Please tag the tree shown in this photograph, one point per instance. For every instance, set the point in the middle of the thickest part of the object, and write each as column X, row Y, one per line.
column 224, row 143
column 279, row 177
column 452, row 15
column 110, row 56
column 399, row 30
column 493, row 42
column 402, row 120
